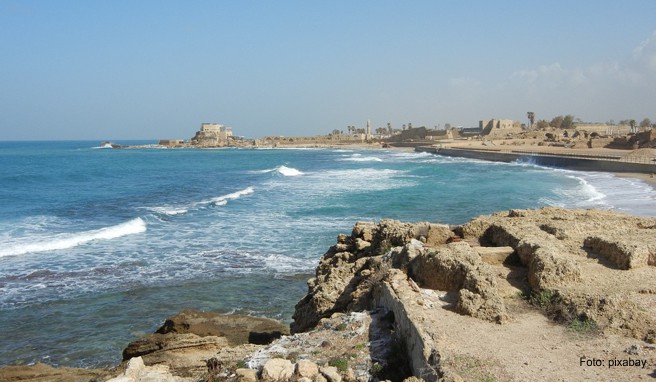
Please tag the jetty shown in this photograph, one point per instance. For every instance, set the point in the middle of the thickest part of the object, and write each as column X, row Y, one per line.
column 595, row 161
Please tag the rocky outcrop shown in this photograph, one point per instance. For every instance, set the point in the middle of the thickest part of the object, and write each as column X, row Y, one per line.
column 554, row 246
column 187, row 340
column 45, row 373
column 585, row 268
column 457, row 267
column 348, row 271
column 234, row 328
column 137, row 371
column 625, row 253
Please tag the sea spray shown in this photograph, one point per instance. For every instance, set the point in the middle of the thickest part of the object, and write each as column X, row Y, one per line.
column 282, row 170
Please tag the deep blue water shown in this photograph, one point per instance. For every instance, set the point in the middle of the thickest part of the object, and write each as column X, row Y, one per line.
column 99, row 246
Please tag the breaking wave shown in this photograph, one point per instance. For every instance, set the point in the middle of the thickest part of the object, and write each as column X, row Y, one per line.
column 171, row 211
column 70, row 240
column 223, row 200
column 217, row 201
column 282, row 170
column 361, row 158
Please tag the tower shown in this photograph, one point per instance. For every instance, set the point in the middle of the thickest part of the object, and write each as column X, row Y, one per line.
column 368, row 128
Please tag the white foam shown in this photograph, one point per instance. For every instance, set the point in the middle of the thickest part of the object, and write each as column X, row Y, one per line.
column 169, row 210
column 288, row 171
column 411, row 155
column 350, row 180
column 360, row 158
column 282, row 170
column 223, row 200
column 105, row 146
column 247, row 262
column 590, row 191
column 64, row 241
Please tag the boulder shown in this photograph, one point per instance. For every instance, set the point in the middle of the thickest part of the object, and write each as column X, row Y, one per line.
column 305, row 368
column 331, row 374
column 246, row 375
column 277, row 369
column 137, row 371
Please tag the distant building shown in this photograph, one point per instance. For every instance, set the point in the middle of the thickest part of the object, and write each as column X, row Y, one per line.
column 499, row 127
column 212, row 135
column 470, row 131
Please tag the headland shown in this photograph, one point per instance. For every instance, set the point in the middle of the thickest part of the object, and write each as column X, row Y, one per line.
column 543, row 295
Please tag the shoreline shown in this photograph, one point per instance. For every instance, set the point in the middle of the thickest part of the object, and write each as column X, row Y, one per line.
column 649, row 179
column 571, row 160
column 644, row 177
column 409, row 283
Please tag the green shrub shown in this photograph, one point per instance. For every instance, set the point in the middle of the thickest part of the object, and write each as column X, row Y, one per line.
column 583, row 325
column 340, row 363
column 340, row 327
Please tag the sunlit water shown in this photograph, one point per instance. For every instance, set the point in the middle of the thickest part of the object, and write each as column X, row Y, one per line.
column 99, row 246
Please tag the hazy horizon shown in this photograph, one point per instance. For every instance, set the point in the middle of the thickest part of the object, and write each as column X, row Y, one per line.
column 158, row 69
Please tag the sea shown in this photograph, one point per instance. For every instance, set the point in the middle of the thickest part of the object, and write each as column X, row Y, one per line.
column 98, row 246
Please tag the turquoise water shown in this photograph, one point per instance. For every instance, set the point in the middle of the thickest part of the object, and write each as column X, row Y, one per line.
column 99, row 246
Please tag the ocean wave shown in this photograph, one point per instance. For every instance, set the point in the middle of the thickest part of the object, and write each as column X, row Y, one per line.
column 166, row 210
column 282, row 170
column 105, row 146
column 347, row 180
column 361, row 158
column 70, row 240
column 411, row 155
column 628, row 195
column 289, row 171
column 223, row 199
column 172, row 210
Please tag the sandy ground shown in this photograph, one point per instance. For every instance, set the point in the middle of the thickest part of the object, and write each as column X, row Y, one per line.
column 647, row 178
column 531, row 347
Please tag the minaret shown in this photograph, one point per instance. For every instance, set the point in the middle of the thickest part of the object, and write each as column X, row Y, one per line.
column 368, row 128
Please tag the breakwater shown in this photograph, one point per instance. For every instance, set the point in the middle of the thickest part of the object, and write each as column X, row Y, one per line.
column 573, row 161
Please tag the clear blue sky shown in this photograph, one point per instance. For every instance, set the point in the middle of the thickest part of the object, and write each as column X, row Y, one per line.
column 157, row 69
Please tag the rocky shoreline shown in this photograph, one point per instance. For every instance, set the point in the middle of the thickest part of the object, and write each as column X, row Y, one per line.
column 517, row 295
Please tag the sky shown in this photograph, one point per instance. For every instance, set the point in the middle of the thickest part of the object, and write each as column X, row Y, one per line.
column 157, row 69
